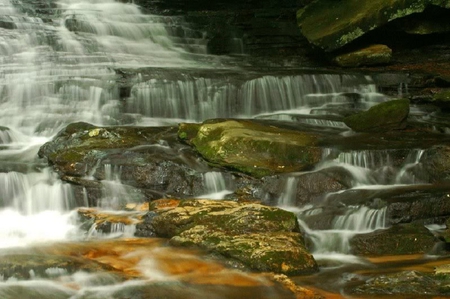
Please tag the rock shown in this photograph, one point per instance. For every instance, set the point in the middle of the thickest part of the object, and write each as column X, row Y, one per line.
column 441, row 98
column 407, row 284
column 372, row 55
column 252, row 147
column 390, row 115
column 149, row 161
column 436, row 163
column 398, row 240
column 306, row 188
column 108, row 222
column 330, row 24
column 259, row 237
column 26, row 266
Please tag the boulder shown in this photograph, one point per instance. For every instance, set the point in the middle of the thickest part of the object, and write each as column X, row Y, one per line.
column 372, row 55
column 436, row 163
column 150, row 161
column 390, row 115
column 252, row 147
column 441, row 98
column 256, row 236
column 330, row 24
column 400, row 239
column 406, row 284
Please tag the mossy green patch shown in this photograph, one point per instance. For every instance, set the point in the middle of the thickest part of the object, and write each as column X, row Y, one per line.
column 254, row 148
column 389, row 115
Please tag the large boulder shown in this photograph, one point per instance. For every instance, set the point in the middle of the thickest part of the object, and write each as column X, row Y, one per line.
column 390, row 115
column 256, row 236
column 252, row 147
column 330, row 24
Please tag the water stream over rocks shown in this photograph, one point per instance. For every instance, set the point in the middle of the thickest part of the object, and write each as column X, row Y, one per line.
column 107, row 63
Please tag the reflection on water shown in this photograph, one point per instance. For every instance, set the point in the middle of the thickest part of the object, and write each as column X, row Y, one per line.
column 140, row 268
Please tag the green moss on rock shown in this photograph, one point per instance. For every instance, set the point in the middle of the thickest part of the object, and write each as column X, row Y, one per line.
column 331, row 24
column 372, row 55
column 259, row 237
column 252, row 147
column 390, row 115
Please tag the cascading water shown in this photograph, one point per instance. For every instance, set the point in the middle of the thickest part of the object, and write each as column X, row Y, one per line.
column 63, row 66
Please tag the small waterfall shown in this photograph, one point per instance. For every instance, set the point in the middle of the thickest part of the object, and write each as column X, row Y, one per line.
column 35, row 192
column 356, row 220
column 115, row 194
column 197, row 99
column 361, row 219
column 377, row 167
column 216, row 185
column 366, row 158
column 411, row 167
column 288, row 197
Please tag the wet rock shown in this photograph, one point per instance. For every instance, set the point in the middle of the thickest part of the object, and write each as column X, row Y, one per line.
column 108, row 221
column 179, row 290
column 372, row 55
column 436, row 163
column 398, row 240
column 408, row 284
column 441, row 98
column 330, row 24
column 150, row 160
column 306, row 188
column 390, row 115
column 251, row 147
column 259, row 237
column 29, row 266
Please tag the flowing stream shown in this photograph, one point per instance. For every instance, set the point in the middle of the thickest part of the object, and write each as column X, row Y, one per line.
column 61, row 64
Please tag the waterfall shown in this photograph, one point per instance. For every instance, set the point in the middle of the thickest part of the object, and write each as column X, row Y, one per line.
column 216, row 185
column 197, row 99
column 356, row 220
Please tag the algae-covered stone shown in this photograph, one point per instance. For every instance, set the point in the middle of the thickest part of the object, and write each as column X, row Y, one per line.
column 372, row 55
column 251, row 147
column 442, row 98
column 259, row 237
column 331, row 24
column 390, row 115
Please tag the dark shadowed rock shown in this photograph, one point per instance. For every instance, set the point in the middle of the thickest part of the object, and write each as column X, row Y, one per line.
column 398, row 240
column 150, row 160
column 330, row 24
column 390, row 115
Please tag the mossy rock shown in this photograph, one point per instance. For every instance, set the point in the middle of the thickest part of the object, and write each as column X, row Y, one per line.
column 330, row 24
column 390, row 115
column 252, row 147
column 278, row 252
column 442, row 98
column 79, row 146
column 372, row 55
column 253, row 235
column 404, row 284
column 400, row 239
